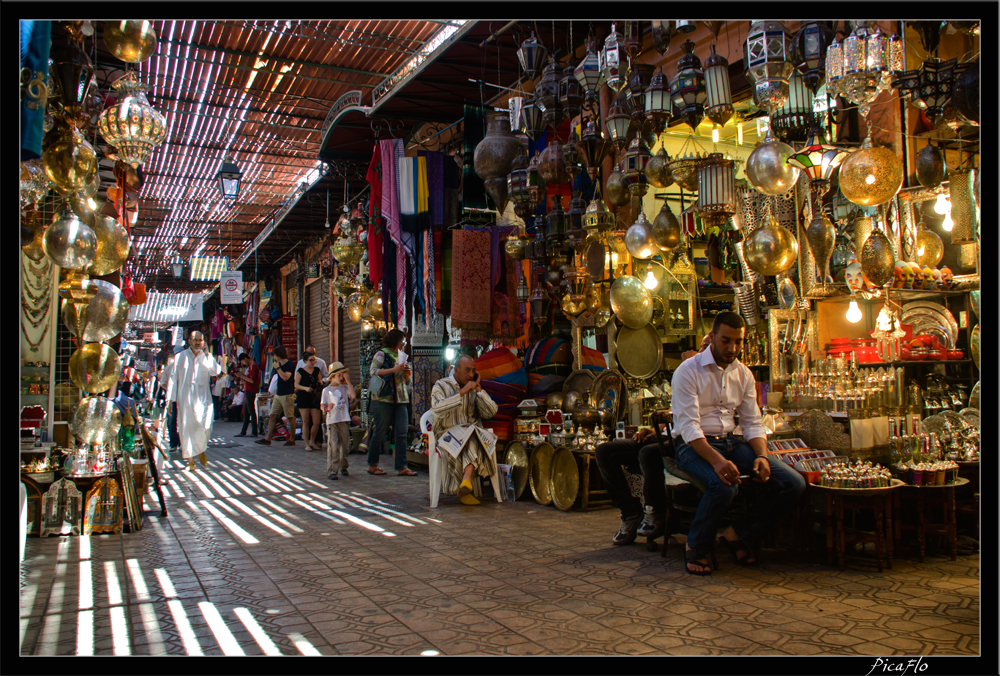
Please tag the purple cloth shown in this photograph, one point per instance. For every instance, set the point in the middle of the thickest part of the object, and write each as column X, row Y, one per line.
column 435, row 186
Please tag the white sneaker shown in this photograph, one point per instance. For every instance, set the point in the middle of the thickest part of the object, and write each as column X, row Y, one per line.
column 651, row 523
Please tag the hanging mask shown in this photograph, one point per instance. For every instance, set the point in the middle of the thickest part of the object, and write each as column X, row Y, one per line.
column 854, row 277
column 938, row 281
column 918, row 280
column 906, row 272
column 945, row 278
column 897, row 275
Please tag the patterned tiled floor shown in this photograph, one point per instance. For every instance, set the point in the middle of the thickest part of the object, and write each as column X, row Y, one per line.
column 261, row 554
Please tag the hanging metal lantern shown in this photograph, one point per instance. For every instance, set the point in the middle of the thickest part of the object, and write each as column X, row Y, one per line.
column 937, row 79
column 716, row 189
column 515, row 105
column 532, row 119
column 639, row 238
column 523, row 293
column 818, row 161
column 767, row 59
column 130, row 41
column 808, row 52
column 719, row 106
column 770, row 249
column 687, row 89
column 658, row 170
column 963, row 206
column 767, row 167
column 862, row 66
column 685, row 26
column 618, row 124
column 536, row 184
column 657, row 106
column 555, row 233
column 822, row 237
column 69, row 242
column 539, row 301
column 634, row 167
column 931, row 167
column 517, row 186
column 617, row 189
column 547, row 95
column 928, row 249
column 666, row 229
column 575, row 232
column 597, row 219
column 965, row 91
column 929, row 32
column 71, row 71
column 552, row 165
column 661, row 35
column 611, row 61
column 532, row 55
column 70, row 163
column 570, row 94
column 794, row 120
column 871, row 175
column 588, row 71
column 877, row 259
column 639, row 78
column 593, row 148
column 132, row 125
column 632, row 43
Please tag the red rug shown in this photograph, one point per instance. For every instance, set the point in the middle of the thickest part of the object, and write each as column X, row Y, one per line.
column 471, row 297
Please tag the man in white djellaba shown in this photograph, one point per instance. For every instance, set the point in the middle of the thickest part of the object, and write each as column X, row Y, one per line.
column 190, row 391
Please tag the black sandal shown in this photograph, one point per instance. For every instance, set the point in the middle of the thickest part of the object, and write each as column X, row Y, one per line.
column 691, row 556
column 735, row 546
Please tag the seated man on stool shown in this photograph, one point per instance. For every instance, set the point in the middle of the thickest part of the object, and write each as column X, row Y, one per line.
column 626, row 462
column 707, row 391
column 461, row 400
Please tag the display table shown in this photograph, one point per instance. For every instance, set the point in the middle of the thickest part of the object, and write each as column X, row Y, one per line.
column 934, row 493
column 879, row 500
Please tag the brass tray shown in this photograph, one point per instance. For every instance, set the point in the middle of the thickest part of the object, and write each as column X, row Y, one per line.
column 580, row 381
column 640, row 351
column 517, row 457
column 895, row 483
column 608, row 391
column 565, row 482
column 540, row 476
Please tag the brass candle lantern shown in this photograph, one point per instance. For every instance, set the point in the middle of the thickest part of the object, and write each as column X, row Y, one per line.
column 716, row 190
column 634, row 167
column 611, row 61
column 687, row 89
column 719, row 106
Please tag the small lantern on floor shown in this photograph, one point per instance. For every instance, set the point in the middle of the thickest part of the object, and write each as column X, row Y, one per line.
column 719, row 106
column 687, row 89
column 657, row 105
column 808, row 51
column 634, row 169
column 532, row 55
column 767, row 61
column 611, row 58
column 716, row 189
column 588, row 71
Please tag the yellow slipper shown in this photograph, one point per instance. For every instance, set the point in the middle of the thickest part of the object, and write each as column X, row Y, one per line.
column 465, row 488
column 468, row 500
column 203, row 459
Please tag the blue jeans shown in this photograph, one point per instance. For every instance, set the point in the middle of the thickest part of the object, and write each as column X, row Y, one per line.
column 779, row 494
column 382, row 414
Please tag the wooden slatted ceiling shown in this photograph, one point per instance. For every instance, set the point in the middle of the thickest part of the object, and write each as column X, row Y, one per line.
column 258, row 90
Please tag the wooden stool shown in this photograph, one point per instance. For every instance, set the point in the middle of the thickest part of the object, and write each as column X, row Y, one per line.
column 934, row 493
column 588, row 499
column 878, row 500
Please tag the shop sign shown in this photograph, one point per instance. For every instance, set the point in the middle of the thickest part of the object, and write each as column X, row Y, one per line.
column 290, row 335
column 231, row 287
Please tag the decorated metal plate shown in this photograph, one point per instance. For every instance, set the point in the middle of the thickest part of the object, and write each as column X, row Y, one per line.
column 640, row 351
column 974, row 396
column 580, row 381
column 971, row 416
column 517, row 457
column 957, row 421
column 540, row 475
column 608, row 391
column 931, row 326
column 945, row 318
column 934, row 423
column 95, row 420
column 565, row 482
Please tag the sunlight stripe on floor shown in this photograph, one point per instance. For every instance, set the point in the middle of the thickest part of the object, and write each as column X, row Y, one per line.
column 86, row 595
column 262, row 639
column 277, row 518
column 234, row 481
column 138, row 583
column 304, row 646
column 119, row 631
column 85, row 632
column 257, row 517
column 303, row 478
column 228, row 523
column 223, row 636
column 114, row 586
column 188, row 639
column 277, row 481
column 311, row 508
column 151, row 626
column 335, row 502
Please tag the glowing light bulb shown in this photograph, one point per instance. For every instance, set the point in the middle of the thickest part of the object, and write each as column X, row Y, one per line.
column 650, row 281
column 739, row 134
column 449, row 354
column 948, row 224
column 941, row 204
column 854, row 312
column 869, row 179
column 92, row 204
column 715, row 134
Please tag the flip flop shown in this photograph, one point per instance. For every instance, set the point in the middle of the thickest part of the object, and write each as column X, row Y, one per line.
column 736, row 546
column 407, row 472
column 377, row 470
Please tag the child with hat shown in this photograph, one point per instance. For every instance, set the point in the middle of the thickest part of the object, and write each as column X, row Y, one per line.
column 336, row 401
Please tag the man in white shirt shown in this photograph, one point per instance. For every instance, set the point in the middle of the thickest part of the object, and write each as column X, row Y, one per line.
column 707, row 391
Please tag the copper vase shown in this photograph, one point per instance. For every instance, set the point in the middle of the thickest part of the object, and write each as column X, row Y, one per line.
column 495, row 153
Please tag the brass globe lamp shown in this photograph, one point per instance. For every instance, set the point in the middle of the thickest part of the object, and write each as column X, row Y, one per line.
column 929, row 249
column 130, row 41
column 770, row 249
column 871, row 175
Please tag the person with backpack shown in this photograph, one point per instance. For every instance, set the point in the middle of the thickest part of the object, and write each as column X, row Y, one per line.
column 389, row 402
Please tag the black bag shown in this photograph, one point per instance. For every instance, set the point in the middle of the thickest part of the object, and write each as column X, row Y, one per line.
column 388, row 388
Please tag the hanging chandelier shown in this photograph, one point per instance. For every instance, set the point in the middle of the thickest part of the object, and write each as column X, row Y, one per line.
column 132, row 125
column 929, row 87
column 687, row 89
column 861, row 67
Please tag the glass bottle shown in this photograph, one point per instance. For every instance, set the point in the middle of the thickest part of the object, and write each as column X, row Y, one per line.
column 916, row 441
column 904, row 443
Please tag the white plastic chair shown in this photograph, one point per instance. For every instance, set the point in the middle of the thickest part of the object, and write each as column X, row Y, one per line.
column 434, row 460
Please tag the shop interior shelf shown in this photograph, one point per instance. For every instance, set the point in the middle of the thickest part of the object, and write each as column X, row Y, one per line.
column 917, row 362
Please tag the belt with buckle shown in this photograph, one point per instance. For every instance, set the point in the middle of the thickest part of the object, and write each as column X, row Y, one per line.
column 709, row 437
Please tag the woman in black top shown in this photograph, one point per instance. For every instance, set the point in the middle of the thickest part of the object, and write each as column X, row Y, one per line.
column 307, row 390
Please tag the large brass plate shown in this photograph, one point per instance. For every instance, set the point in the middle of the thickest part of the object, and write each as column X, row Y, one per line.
column 640, row 351
column 102, row 318
column 95, row 420
column 540, row 476
column 608, row 391
column 95, row 367
column 517, row 457
column 565, row 482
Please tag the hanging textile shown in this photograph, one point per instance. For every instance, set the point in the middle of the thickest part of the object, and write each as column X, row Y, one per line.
column 35, row 41
column 503, row 316
column 523, row 269
column 388, row 280
column 390, row 189
column 473, row 189
column 413, row 194
column 447, row 256
column 470, row 306
column 452, row 190
column 435, row 186
column 374, row 178
column 438, row 262
column 428, row 281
